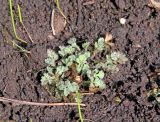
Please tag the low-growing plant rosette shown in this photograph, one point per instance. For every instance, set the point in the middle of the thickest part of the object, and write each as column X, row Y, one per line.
column 79, row 66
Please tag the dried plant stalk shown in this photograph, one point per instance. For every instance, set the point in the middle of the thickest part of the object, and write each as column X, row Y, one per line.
column 52, row 22
column 19, row 102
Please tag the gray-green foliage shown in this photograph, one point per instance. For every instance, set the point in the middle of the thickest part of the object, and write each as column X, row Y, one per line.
column 96, row 77
column 89, row 68
column 112, row 60
column 52, row 57
column 81, row 61
column 70, row 49
column 100, row 44
column 67, row 87
column 46, row 79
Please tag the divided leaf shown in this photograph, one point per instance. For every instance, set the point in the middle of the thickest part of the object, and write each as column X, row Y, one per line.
column 99, row 83
column 61, row 69
column 85, row 45
column 96, row 80
column 113, row 60
column 72, row 42
column 49, row 69
column 67, row 87
column 100, row 45
column 52, row 57
column 118, row 57
column 46, row 79
column 82, row 58
column 64, row 51
column 69, row 60
column 82, row 62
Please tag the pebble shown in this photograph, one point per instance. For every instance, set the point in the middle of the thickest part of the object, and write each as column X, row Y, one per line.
column 122, row 21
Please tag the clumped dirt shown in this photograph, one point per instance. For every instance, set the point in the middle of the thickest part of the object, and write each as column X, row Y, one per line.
column 139, row 39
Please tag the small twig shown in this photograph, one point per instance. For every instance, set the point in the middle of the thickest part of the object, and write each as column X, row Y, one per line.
column 14, row 101
column 52, row 22
column 87, row 120
column 89, row 2
column 84, row 93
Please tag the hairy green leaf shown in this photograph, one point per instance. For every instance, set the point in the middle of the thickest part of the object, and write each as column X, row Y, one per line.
column 51, row 57
column 49, row 69
column 67, row 87
column 99, row 83
column 61, row 69
column 46, row 79
column 85, row 45
column 69, row 61
column 72, row 42
column 82, row 58
column 64, row 51
column 100, row 45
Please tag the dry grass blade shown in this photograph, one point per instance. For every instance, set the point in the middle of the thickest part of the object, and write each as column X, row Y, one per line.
column 89, row 2
column 19, row 102
column 52, row 22
column 20, row 19
column 27, row 33
column 108, row 39
column 13, row 43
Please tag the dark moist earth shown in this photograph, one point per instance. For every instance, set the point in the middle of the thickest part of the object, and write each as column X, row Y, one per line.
column 139, row 39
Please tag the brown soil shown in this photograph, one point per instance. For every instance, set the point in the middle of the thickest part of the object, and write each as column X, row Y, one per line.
column 139, row 39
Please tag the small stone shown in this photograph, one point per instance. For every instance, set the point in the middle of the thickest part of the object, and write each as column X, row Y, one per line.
column 117, row 99
column 122, row 21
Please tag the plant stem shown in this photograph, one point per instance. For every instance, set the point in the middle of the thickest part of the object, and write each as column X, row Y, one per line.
column 78, row 104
